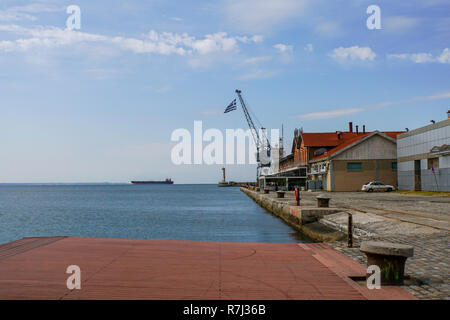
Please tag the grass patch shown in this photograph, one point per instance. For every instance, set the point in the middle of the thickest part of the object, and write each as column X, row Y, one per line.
column 424, row 193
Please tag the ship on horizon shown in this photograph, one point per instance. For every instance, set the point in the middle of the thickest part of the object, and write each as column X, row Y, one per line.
column 167, row 181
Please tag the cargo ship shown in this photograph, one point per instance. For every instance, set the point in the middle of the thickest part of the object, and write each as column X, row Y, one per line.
column 167, row 181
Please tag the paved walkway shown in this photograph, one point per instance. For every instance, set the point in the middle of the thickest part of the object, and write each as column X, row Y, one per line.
column 34, row 268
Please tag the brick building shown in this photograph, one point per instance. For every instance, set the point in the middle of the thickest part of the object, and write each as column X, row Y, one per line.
column 343, row 161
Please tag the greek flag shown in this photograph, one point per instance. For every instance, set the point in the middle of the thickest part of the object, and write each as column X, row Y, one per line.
column 231, row 107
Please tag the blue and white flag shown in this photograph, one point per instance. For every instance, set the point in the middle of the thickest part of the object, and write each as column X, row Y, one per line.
column 231, row 107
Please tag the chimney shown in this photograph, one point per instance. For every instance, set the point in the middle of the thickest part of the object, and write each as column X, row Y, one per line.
column 350, row 126
column 357, row 129
column 339, row 134
column 364, row 128
column 448, row 114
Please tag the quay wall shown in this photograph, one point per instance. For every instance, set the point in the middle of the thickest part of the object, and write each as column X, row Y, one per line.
column 303, row 219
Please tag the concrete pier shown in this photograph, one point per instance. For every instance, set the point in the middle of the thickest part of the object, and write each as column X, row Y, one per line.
column 304, row 218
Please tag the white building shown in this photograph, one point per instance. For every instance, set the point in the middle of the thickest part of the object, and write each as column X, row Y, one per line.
column 424, row 158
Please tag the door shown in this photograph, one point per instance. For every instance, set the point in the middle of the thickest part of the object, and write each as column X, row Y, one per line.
column 417, row 176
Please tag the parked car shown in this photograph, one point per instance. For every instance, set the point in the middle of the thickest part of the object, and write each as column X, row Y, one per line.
column 377, row 186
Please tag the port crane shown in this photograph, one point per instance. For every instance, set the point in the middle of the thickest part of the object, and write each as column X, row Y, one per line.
column 260, row 139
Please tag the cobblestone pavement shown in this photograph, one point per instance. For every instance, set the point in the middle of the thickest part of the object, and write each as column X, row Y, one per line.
column 428, row 268
column 435, row 207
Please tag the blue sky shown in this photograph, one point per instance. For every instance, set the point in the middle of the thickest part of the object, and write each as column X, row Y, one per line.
column 100, row 103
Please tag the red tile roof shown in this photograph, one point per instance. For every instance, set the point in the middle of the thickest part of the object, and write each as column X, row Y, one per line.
column 348, row 138
column 326, row 139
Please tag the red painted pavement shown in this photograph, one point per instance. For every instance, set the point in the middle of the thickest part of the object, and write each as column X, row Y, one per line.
column 34, row 268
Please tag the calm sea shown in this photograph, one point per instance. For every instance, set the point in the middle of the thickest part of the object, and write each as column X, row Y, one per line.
column 176, row 212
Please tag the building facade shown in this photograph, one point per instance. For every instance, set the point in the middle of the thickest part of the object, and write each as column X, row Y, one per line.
column 424, row 158
column 339, row 161
column 367, row 157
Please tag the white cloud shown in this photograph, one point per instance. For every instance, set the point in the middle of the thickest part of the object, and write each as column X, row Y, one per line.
column 15, row 16
column 309, row 47
column 329, row 114
column 421, row 57
column 254, row 39
column 283, row 48
column 353, row 53
column 444, row 57
column 334, row 113
column 164, row 43
column 399, row 24
column 37, row 8
column 13, row 28
column 257, row 15
column 438, row 96
column 402, row 56
column 256, row 60
column 20, row 13
column 285, row 51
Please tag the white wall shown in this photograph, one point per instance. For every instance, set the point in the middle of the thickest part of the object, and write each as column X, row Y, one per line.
column 423, row 142
column 444, row 162
column 375, row 147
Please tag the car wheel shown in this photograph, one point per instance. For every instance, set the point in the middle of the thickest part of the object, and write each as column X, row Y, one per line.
column 389, row 190
column 370, row 190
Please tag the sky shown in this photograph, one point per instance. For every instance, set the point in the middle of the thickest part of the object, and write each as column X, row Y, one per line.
column 100, row 103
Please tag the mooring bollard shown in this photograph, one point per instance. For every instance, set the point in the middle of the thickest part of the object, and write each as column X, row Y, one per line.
column 323, row 201
column 389, row 257
column 350, row 231
column 266, row 191
column 280, row 194
column 297, row 196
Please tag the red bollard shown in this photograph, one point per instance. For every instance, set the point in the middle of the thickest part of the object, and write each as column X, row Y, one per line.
column 297, row 196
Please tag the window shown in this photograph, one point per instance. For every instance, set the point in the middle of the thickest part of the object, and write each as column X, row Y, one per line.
column 354, row 166
column 394, row 166
column 433, row 163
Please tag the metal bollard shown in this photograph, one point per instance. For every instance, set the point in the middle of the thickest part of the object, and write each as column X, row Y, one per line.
column 350, row 231
column 297, row 196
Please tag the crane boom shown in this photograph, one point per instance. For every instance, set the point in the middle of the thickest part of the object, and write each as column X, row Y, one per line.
column 260, row 142
column 251, row 125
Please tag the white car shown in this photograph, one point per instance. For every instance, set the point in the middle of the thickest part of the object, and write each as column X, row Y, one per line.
column 377, row 186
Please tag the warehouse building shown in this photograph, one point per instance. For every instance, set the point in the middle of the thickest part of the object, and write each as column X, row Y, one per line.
column 365, row 157
column 340, row 160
